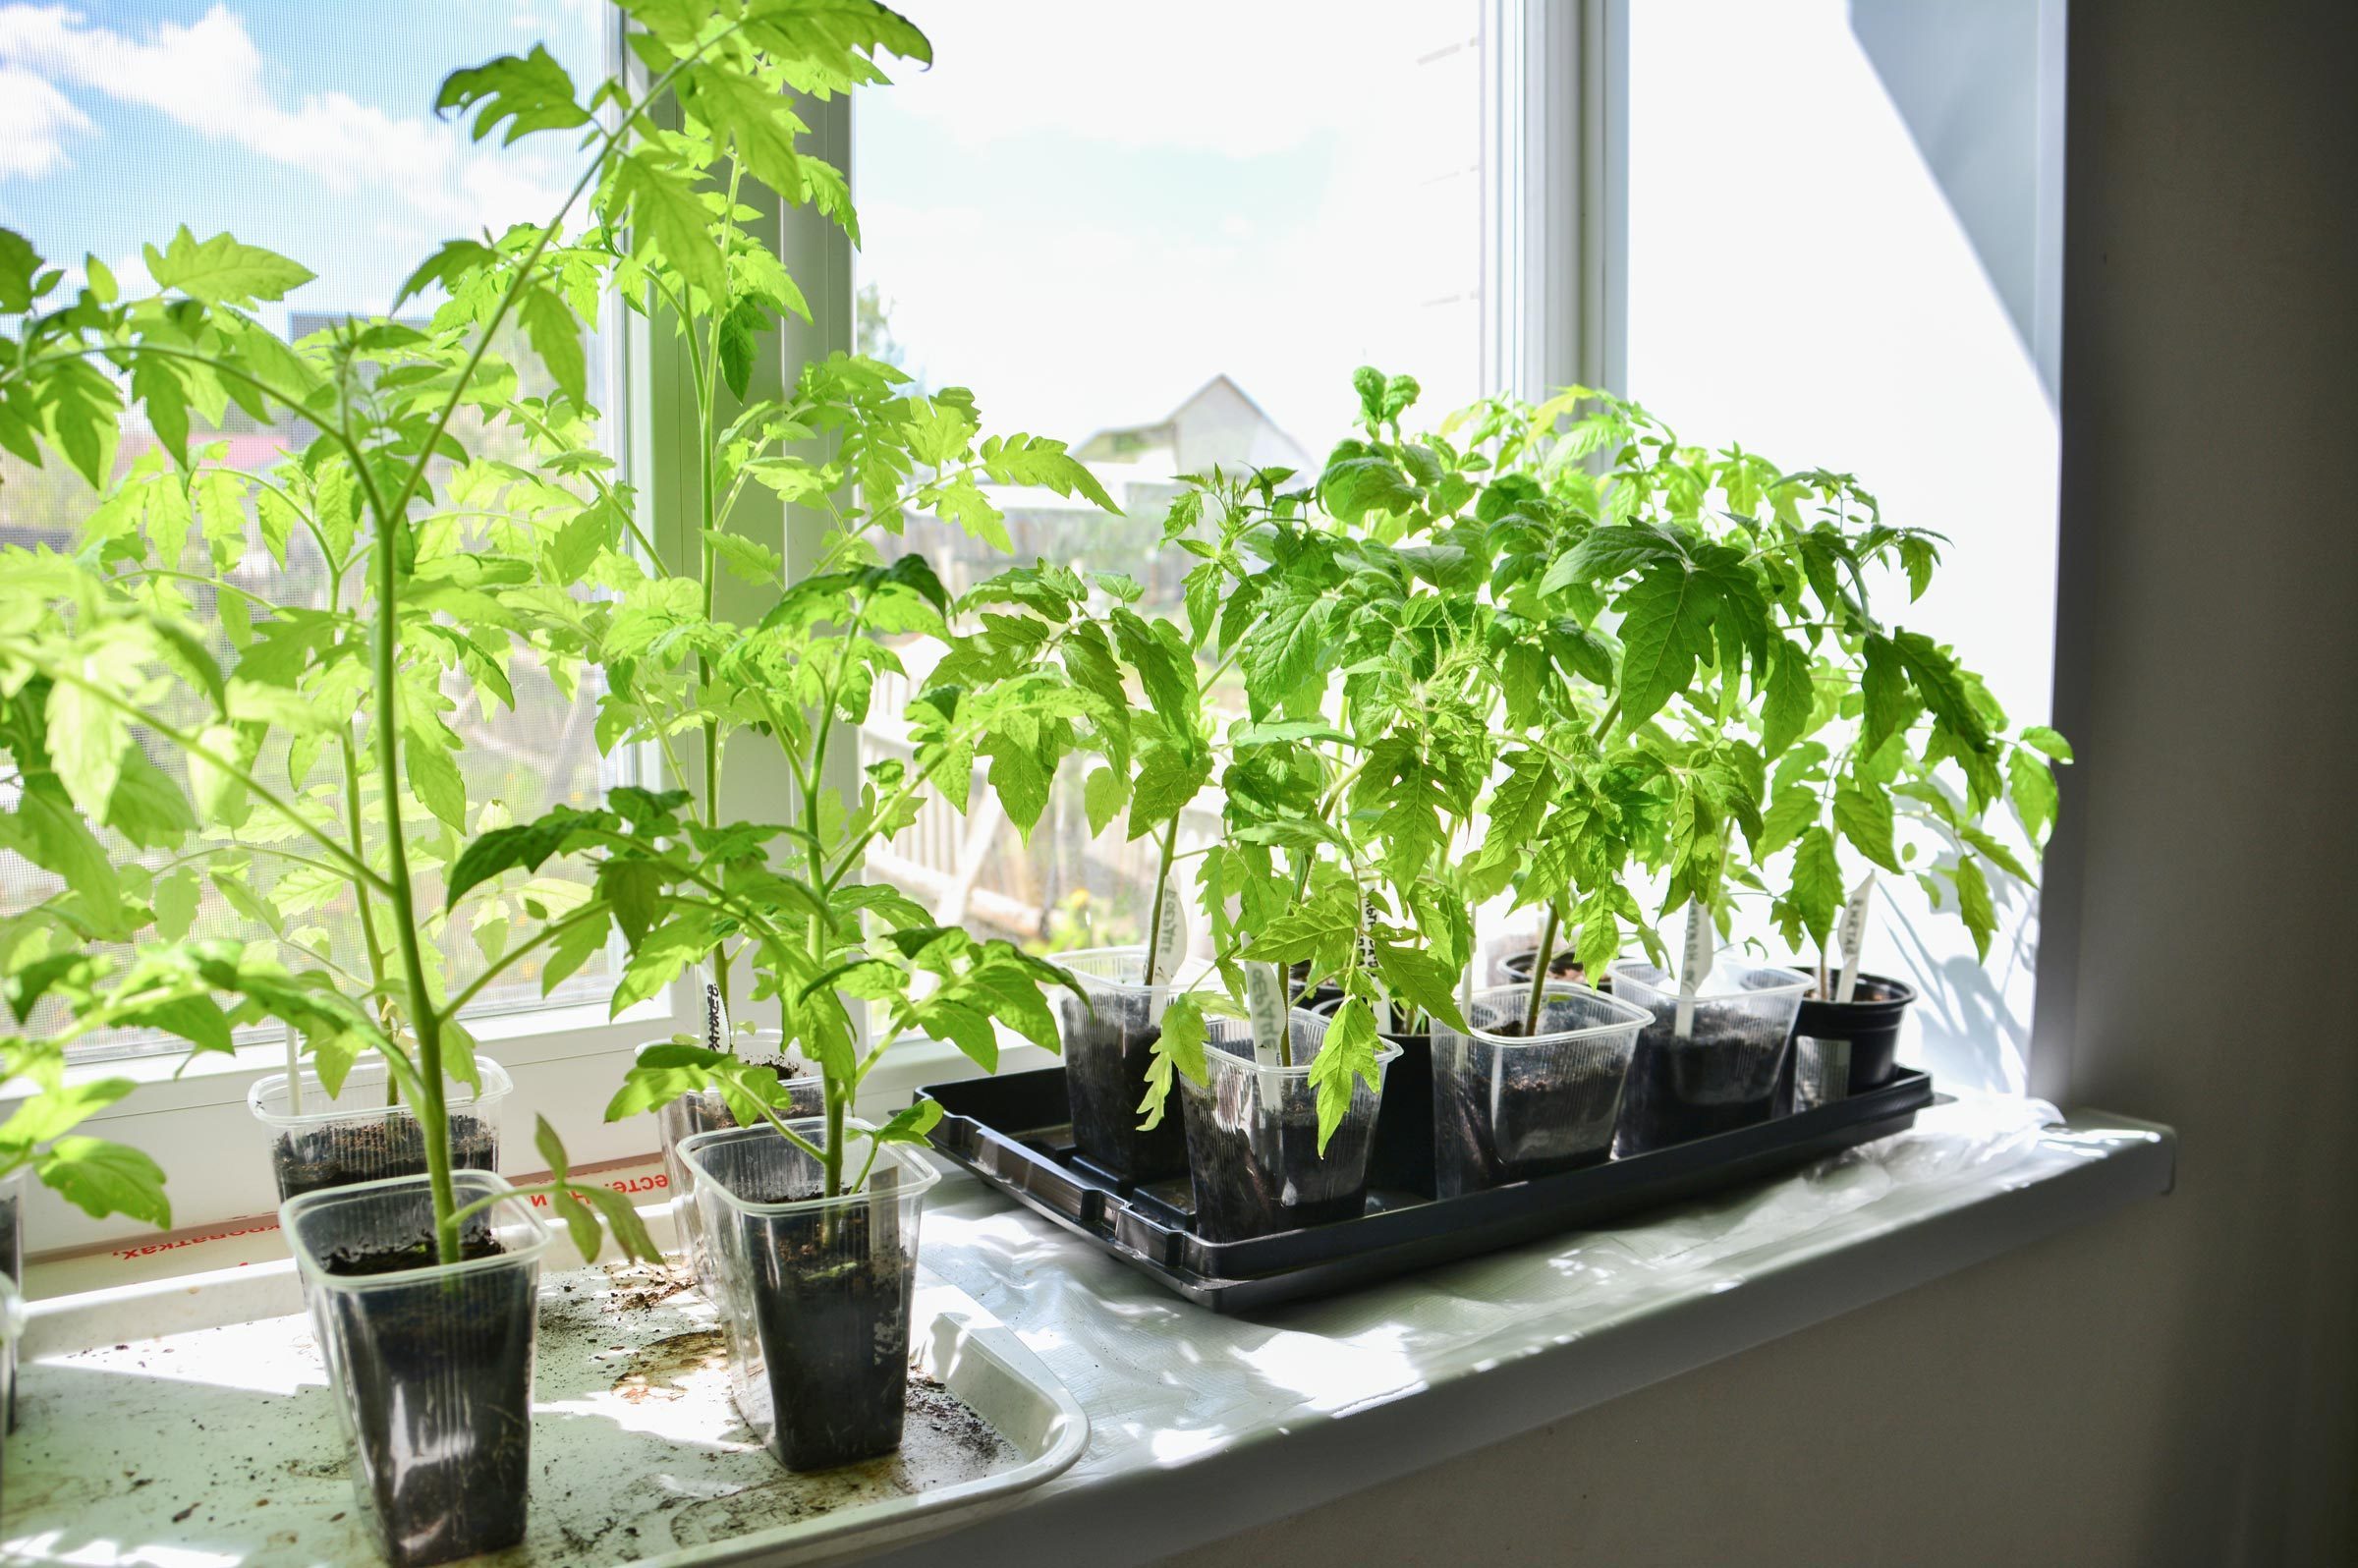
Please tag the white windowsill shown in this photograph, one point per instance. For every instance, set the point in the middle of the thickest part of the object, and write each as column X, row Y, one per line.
column 1207, row 1426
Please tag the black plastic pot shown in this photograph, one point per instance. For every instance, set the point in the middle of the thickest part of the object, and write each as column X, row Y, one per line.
column 1850, row 1047
column 1109, row 1042
column 813, row 1292
column 1404, row 1132
column 1723, row 1071
column 430, row 1363
column 360, row 1137
column 1253, row 1137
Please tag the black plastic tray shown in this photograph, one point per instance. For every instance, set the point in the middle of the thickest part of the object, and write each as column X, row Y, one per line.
column 1014, row 1132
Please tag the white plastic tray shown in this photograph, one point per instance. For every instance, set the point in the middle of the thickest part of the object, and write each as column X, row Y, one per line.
column 188, row 1423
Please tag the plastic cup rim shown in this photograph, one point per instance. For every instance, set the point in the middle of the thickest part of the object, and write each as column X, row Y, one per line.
column 496, row 1084
column 1798, row 983
column 536, row 1234
column 1633, row 1015
column 918, row 1174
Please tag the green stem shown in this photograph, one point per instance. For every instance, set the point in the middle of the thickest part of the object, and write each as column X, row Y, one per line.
column 433, row 1122
column 1162, row 889
column 1538, row 970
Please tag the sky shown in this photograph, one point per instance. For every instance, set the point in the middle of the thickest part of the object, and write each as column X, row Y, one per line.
column 1083, row 210
column 1086, row 210
column 304, row 125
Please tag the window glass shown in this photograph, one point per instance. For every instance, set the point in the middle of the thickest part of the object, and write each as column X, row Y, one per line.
column 306, row 129
column 1841, row 254
column 1165, row 235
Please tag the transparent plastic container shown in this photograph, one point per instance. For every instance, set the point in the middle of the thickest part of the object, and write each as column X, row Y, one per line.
column 813, row 1292
column 705, row 1111
column 430, row 1364
column 358, row 1136
column 1108, row 1041
column 1724, row 1073
column 11, row 1329
column 1509, row 1106
column 12, row 1259
column 1253, row 1137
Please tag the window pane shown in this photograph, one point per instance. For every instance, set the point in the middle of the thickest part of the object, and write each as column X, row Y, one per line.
column 1837, row 255
column 1164, row 234
column 306, row 129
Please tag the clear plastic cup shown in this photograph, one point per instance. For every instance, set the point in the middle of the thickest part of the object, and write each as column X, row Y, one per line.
column 430, row 1364
column 1253, row 1135
column 358, row 1136
column 813, row 1292
column 1508, row 1106
column 11, row 1329
column 1108, row 1041
column 685, row 1115
column 1723, row 1072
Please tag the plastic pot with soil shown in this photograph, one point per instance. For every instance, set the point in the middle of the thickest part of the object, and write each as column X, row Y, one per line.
column 1845, row 1049
column 703, row 1111
column 814, row 1291
column 1253, row 1135
column 1709, row 1063
column 363, row 1133
column 430, row 1364
column 1523, row 1097
column 11, row 1329
column 1109, row 1042
column 1404, row 1133
column 12, row 1259
column 1514, row 969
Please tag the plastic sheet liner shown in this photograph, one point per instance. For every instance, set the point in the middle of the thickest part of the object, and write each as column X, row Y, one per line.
column 1164, row 1381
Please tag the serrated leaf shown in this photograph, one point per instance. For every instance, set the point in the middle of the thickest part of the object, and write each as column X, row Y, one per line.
column 1178, row 1050
column 222, row 270
column 1818, row 891
column 1103, row 795
column 1974, row 905
column 1863, row 812
column 1884, row 687
column 556, row 337
column 100, row 1178
column 1790, row 698
column 2051, row 742
column 1665, row 629
column 2031, row 785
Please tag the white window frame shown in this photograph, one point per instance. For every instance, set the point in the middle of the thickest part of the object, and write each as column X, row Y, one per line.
column 1551, row 222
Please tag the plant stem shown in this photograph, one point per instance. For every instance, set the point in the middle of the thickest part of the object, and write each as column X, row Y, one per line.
column 1162, row 889
column 1538, row 970
column 433, row 1123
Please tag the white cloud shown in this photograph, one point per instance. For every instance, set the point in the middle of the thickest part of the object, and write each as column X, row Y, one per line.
column 35, row 121
column 1238, row 77
column 208, row 77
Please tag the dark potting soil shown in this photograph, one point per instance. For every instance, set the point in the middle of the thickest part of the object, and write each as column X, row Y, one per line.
column 1684, row 1090
column 1548, row 1111
column 1105, row 1057
column 392, row 1145
column 1564, row 966
column 441, row 1376
column 833, row 1319
column 1241, row 1193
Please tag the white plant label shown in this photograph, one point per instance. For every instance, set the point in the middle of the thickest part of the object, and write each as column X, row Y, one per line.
column 1264, row 1008
column 1694, row 967
column 716, row 1018
column 1170, row 935
column 1853, row 936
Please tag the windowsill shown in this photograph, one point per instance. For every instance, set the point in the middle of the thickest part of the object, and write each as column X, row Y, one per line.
column 1204, row 1426
column 1207, row 1426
